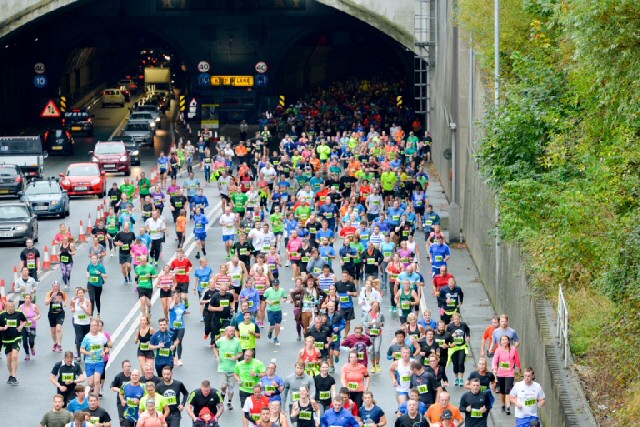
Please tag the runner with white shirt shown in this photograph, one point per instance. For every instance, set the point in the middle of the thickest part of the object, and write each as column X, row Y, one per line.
column 528, row 397
column 228, row 222
column 269, row 173
column 257, row 236
column 156, row 227
column 224, row 182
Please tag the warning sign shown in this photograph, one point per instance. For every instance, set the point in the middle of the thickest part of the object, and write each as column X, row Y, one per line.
column 50, row 110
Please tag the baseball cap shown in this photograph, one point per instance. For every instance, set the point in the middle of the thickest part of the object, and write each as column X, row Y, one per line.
column 447, row 414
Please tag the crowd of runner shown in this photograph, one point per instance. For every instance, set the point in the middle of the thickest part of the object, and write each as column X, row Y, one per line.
column 332, row 188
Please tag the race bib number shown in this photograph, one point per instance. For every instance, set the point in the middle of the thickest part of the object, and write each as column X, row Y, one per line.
column 345, row 299
column 124, row 247
column 325, row 395
column 229, row 356
column 361, row 355
column 68, row 377
column 83, row 316
column 530, row 402
column 505, row 365
column 224, row 303
column 374, row 332
column 31, row 265
column 171, row 400
column 423, row 388
column 270, row 389
column 405, row 378
column 177, row 324
column 131, row 402
column 295, row 395
column 94, row 279
column 405, row 305
column 144, row 346
column 371, row 261
column 476, row 413
column 95, row 347
column 181, row 271
column 439, row 258
column 305, row 415
column 12, row 323
column 164, row 352
column 353, row 386
column 64, row 258
column 320, row 345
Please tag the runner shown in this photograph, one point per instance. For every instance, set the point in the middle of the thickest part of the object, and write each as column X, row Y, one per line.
column 123, row 240
column 400, row 373
column 145, row 275
column 505, row 361
column 338, row 416
column 458, row 344
column 32, row 313
column 167, row 284
column 181, row 267
column 227, row 351
column 247, row 373
column 163, row 168
column 475, row 405
column 228, row 222
column 66, row 249
column 200, row 233
column 164, row 343
column 177, row 310
column 12, row 322
column 130, row 395
column 304, row 411
column 57, row 301
column 95, row 346
column 30, row 258
column 81, row 309
column 65, row 375
column 528, row 398
column 272, row 383
column 275, row 296
column 96, row 274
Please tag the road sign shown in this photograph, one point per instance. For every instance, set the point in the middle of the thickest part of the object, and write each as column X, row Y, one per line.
column 203, row 66
column 63, row 104
column 261, row 67
column 183, row 102
column 193, row 108
column 40, row 81
column 39, row 68
column 50, row 110
column 282, row 103
column 204, row 79
column 262, row 80
column 399, row 101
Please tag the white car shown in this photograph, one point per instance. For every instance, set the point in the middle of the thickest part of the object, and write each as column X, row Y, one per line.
column 112, row 97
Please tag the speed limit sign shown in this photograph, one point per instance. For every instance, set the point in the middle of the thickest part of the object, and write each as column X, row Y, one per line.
column 39, row 68
column 261, row 67
column 203, row 66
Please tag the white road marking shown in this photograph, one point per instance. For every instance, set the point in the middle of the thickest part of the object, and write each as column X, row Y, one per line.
column 213, row 215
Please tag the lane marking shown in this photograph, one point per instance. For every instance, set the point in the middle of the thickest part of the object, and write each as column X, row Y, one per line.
column 213, row 216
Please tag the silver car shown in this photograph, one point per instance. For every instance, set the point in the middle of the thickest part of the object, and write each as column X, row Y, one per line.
column 141, row 115
column 140, row 131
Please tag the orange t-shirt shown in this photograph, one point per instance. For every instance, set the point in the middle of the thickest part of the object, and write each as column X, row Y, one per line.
column 355, row 375
column 181, row 224
column 316, row 164
column 435, row 412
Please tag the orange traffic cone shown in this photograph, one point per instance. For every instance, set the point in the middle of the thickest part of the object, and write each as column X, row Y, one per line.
column 46, row 264
column 3, row 291
column 89, row 226
column 81, row 236
column 54, row 257
column 15, row 277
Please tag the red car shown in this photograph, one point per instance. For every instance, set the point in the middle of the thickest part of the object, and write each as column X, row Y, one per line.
column 84, row 179
column 112, row 156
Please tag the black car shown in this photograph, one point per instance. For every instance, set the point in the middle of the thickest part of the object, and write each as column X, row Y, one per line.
column 17, row 223
column 132, row 146
column 11, row 180
column 58, row 141
column 47, row 198
column 78, row 121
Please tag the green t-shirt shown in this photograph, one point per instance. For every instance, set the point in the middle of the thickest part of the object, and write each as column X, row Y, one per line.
column 324, row 151
column 277, row 224
column 228, row 349
column 128, row 189
column 239, row 201
column 145, row 185
column 95, row 279
column 161, row 402
column 275, row 297
column 303, row 212
column 388, row 180
column 360, row 248
column 246, row 339
column 145, row 274
column 112, row 224
column 243, row 370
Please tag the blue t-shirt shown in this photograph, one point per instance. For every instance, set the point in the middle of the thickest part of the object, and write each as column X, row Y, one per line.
column 268, row 386
column 163, row 162
column 321, row 234
column 176, row 316
column 439, row 253
column 95, row 345
column 74, row 406
column 199, row 201
column 370, row 416
column 253, row 297
column 192, row 186
column 326, row 251
column 203, row 275
column 200, row 221
column 395, row 214
column 387, row 249
column 132, row 392
column 422, row 408
column 164, row 356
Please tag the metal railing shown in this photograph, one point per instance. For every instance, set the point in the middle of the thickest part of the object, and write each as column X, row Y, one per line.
column 562, row 330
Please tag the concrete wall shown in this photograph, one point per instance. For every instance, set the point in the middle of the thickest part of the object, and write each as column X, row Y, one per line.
column 506, row 284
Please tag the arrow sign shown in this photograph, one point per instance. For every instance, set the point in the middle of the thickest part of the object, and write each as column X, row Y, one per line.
column 50, row 110
column 204, row 79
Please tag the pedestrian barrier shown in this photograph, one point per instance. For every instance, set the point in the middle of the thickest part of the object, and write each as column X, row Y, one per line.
column 46, row 264
column 3, row 291
column 81, row 236
column 55, row 256
column 562, row 331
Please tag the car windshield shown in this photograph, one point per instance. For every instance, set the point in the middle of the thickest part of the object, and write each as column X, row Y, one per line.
column 137, row 127
column 140, row 116
column 83, row 170
column 8, row 172
column 9, row 146
column 13, row 212
column 42, row 187
column 149, row 108
column 109, row 149
column 124, row 138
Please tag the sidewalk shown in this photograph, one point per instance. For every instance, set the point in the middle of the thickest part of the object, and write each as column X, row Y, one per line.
column 476, row 309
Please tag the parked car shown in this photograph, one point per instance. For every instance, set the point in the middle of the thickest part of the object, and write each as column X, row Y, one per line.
column 112, row 97
column 17, row 223
column 112, row 156
column 78, row 121
column 140, row 131
column 132, row 146
column 11, row 180
column 47, row 197
column 84, row 179
column 58, row 141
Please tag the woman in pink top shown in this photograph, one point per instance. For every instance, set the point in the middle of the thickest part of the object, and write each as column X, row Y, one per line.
column 293, row 252
column 64, row 232
column 137, row 250
column 406, row 254
column 355, row 376
column 505, row 361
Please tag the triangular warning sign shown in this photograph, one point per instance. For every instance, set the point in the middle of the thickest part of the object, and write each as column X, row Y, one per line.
column 50, row 110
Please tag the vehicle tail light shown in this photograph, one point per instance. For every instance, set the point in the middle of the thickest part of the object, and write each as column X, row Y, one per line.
column 89, row 120
column 46, row 135
column 69, row 135
column 63, row 122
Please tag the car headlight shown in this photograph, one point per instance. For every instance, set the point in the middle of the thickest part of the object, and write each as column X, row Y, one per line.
column 152, row 125
column 21, row 228
column 157, row 119
column 123, row 158
column 135, row 153
column 95, row 181
column 94, row 159
column 54, row 203
column 66, row 183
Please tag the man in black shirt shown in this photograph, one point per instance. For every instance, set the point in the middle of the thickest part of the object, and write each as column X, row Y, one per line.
column 100, row 231
column 124, row 239
column 171, row 390
column 425, row 382
column 149, row 375
column 118, row 382
column 372, row 258
column 177, row 203
column 65, row 375
column 220, row 308
column 11, row 324
column 114, row 195
column 30, row 258
column 475, row 405
column 412, row 418
column 322, row 335
column 147, row 208
column 205, row 396
column 243, row 250
column 98, row 417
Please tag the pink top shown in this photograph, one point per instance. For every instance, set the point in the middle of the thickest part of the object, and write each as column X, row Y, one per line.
column 406, row 256
column 505, row 362
column 137, row 251
column 294, row 247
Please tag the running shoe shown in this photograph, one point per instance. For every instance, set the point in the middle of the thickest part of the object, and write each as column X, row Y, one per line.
column 276, row 341
column 373, row 369
column 508, row 411
column 230, row 406
column 204, row 251
column 198, row 255
column 33, row 351
column 27, row 358
column 14, row 381
column 9, row 381
column 206, row 336
column 287, row 264
column 55, row 348
column 378, row 369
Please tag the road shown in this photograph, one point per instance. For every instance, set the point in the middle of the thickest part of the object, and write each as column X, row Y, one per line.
column 120, row 313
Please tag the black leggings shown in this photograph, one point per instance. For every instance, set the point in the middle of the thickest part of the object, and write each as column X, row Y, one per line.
column 156, row 248
column 28, row 339
column 458, row 361
column 356, row 397
column 95, row 292
column 81, row 331
column 179, row 336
